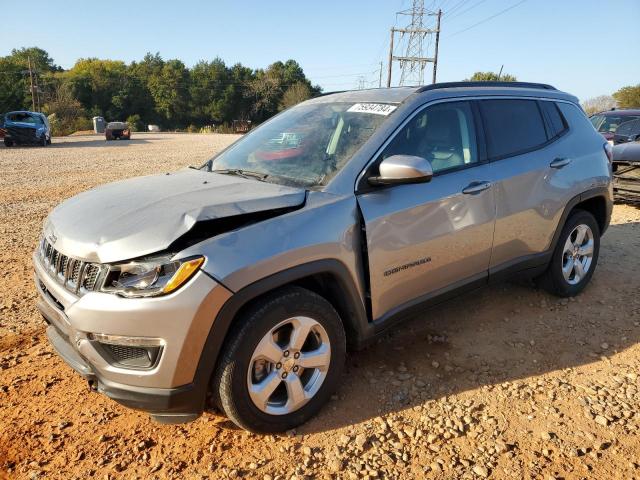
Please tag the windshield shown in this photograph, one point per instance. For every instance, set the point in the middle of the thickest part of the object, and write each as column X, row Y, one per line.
column 609, row 123
column 22, row 118
column 305, row 145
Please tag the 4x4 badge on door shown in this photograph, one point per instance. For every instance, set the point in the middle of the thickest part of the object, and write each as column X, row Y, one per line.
column 52, row 238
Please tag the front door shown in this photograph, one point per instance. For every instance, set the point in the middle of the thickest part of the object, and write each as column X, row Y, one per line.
column 425, row 239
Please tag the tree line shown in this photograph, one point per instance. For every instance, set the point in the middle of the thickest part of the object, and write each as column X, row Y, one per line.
column 150, row 91
column 174, row 96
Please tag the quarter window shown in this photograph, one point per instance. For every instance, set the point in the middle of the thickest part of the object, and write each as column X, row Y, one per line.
column 443, row 134
column 556, row 123
column 512, row 126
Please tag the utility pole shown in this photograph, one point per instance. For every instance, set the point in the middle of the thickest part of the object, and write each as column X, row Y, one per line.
column 435, row 56
column 413, row 62
column 33, row 98
column 390, row 60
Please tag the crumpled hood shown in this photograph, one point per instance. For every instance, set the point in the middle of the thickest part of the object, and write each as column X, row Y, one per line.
column 144, row 215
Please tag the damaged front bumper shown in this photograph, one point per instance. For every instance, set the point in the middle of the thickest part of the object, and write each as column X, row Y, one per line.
column 181, row 321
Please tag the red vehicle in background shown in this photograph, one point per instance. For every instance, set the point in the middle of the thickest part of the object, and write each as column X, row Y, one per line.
column 3, row 132
column 608, row 122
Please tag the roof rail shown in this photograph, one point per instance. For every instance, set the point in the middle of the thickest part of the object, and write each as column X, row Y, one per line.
column 437, row 86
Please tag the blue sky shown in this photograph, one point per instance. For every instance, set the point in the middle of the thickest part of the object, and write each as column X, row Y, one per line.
column 586, row 47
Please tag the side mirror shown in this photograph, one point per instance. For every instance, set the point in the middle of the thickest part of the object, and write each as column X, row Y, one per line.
column 400, row 169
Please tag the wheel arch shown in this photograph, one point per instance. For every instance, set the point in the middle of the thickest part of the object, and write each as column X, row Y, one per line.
column 328, row 278
column 596, row 201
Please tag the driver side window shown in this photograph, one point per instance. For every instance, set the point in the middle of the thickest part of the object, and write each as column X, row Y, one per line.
column 443, row 134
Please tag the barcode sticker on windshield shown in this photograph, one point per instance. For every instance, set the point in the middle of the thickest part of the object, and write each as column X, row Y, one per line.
column 375, row 108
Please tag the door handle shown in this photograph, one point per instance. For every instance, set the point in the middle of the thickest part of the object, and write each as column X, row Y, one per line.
column 476, row 187
column 560, row 162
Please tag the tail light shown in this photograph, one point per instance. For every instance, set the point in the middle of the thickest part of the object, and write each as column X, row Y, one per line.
column 608, row 149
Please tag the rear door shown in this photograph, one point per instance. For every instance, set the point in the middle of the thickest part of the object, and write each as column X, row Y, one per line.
column 424, row 239
column 532, row 169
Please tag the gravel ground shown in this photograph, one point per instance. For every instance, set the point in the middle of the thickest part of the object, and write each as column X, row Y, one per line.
column 508, row 382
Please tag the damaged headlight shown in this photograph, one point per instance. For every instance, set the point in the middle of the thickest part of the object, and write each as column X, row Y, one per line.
column 150, row 277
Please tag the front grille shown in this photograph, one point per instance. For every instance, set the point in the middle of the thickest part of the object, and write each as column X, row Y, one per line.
column 76, row 276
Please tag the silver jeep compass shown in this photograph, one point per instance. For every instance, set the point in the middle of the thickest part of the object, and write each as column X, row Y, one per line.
column 242, row 282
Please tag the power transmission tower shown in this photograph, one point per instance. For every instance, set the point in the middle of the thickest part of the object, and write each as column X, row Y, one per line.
column 414, row 61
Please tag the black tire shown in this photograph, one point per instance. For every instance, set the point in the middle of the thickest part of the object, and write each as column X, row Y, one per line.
column 43, row 141
column 48, row 141
column 8, row 142
column 229, row 382
column 553, row 279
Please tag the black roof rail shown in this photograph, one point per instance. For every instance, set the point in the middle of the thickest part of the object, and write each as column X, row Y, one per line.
column 437, row 86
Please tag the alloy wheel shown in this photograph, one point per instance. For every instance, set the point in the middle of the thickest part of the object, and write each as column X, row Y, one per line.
column 577, row 255
column 289, row 365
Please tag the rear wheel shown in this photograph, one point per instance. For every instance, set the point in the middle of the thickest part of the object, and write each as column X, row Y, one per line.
column 575, row 257
column 282, row 363
column 8, row 142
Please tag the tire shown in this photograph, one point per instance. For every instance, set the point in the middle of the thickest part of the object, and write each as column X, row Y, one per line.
column 43, row 141
column 49, row 141
column 567, row 258
column 8, row 142
column 284, row 312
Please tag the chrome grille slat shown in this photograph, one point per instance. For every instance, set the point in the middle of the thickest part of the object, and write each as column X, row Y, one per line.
column 65, row 270
column 80, row 277
column 75, row 275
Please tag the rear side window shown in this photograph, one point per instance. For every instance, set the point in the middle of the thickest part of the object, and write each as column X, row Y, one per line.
column 512, row 126
column 555, row 121
column 574, row 115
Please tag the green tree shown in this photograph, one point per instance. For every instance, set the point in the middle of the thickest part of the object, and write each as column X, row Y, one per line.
column 296, row 93
column 66, row 114
column 628, row 97
column 170, row 91
column 211, row 87
column 95, row 83
column 14, row 77
column 491, row 77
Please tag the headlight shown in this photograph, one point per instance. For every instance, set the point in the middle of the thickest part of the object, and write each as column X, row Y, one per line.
column 151, row 277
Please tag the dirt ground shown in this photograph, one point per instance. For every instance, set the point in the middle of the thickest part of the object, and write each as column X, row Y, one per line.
column 507, row 382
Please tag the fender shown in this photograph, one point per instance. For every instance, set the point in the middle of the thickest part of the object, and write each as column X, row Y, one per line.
column 355, row 319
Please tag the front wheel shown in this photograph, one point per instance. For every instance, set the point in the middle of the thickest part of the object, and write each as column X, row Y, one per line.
column 282, row 362
column 8, row 142
column 575, row 257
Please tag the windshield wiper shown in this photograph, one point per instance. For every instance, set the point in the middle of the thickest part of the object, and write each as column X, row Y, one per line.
column 243, row 173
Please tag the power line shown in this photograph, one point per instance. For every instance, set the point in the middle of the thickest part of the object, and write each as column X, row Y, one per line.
column 458, row 14
column 457, row 6
column 487, row 19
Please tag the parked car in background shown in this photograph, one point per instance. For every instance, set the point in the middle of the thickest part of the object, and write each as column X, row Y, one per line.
column 627, row 132
column 117, row 131
column 26, row 128
column 626, row 162
column 242, row 282
column 607, row 122
column 2, row 130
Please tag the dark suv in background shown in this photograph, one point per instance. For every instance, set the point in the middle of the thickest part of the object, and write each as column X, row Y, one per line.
column 608, row 122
